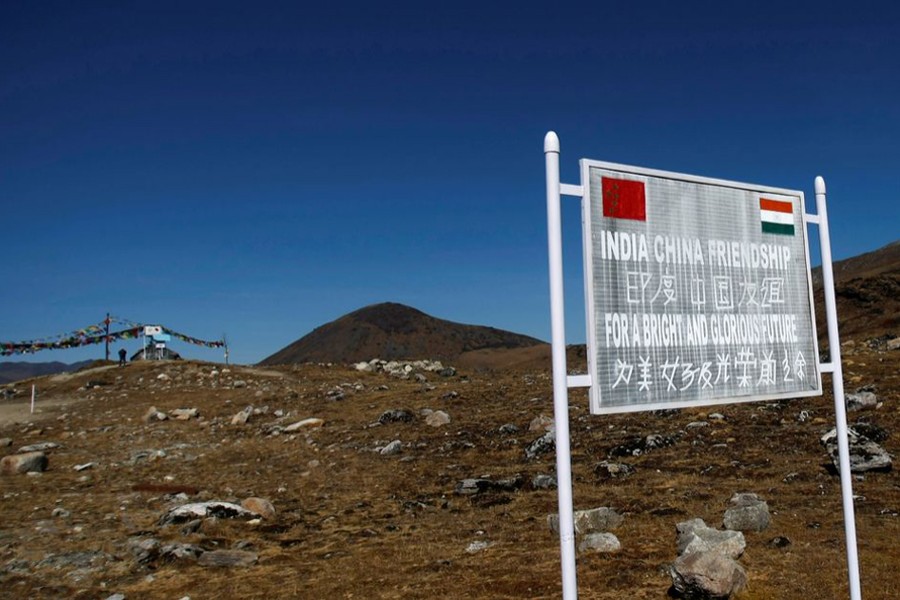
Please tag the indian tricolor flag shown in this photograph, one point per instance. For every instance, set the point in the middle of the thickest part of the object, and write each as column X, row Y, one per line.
column 777, row 216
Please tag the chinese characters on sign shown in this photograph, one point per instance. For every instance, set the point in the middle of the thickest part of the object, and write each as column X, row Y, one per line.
column 699, row 291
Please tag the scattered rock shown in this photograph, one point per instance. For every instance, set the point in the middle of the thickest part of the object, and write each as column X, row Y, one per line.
column 600, row 542
column 707, row 575
column 468, row 487
column 202, row 510
column 541, row 423
column 478, row 546
column 437, row 418
column 74, row 560
column 29, row 462
column 260, row 506
column 508, row 429
column 185, row 414
column 395, row 416
column 242, row 417
column 639, row 446
column 696, row 536
column 144, row 550
column 41, row 447
column 239, row 383
column 178, row 551
column 747, row 513
column 893, row 344
column 595, row 520
column 394, row 447
column 544, row 444
column 310, row 422
column 543, row 482
column 153, row 414
column 865, row 455
column 612, row 470
column 228, row 558
column 871, row 431
column 860, row 400
column 5, row 442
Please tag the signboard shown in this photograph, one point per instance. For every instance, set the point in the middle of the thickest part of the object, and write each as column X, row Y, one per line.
column 698, row 291
column 152, row 329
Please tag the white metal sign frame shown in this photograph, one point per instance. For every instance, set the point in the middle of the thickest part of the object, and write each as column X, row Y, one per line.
column 562, row 381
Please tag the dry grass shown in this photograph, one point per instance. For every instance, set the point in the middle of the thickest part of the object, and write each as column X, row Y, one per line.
column 354, row 524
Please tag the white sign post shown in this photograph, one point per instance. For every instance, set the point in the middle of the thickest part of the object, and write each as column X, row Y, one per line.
column 698, row 292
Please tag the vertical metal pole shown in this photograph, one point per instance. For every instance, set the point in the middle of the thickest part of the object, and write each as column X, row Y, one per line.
column 107, row 336
column 560, row 384
column 837, row 379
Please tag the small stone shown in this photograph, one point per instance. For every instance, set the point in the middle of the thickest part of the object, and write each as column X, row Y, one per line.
column 508, row 429
column 541, row 423
column 260, row 506
column 600, row 542
column 29, row 462
column 153, row 414
column 542, row 445
column 41, row 447
column 395, row 416
column 311, row 422
column 478, row 546
column 612, row 470
column 861, row 400
column 242, row 417
column 595, row 520
column 185, row 414
column 437, row 418
column 394, row 447
column 543, row 482
column 707, row 575
column 202, row 510
column 239, row 383
column 85, row 466
column 695, row 536
column 747, row 513
column 5, row 442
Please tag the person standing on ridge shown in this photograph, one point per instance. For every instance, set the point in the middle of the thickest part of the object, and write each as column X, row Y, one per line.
column 122, row 355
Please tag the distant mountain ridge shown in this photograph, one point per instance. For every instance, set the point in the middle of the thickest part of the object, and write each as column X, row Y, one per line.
column 17, row 371
column 394, row 331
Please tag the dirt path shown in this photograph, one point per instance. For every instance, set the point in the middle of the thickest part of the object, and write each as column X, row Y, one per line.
column 19, row 410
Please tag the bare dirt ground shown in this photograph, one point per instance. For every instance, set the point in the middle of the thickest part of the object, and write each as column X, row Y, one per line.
column 351, row 522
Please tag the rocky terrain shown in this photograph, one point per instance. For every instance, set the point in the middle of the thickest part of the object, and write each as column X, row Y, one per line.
column 415, row 480
column 359, row 473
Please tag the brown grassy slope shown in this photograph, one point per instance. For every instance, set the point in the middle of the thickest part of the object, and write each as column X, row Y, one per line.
column 867, row 290
column 393, row 331
column 352, row 523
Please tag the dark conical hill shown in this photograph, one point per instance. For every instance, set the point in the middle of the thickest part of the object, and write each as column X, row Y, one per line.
column 394, row 331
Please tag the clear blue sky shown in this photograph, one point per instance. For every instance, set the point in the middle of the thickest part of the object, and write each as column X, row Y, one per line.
column 260, row 168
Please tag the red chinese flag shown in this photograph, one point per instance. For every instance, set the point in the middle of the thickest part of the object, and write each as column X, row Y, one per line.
column 624, row 199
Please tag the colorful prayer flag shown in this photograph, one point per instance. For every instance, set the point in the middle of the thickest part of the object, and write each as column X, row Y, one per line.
column 777, row 216
column 624, row 199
